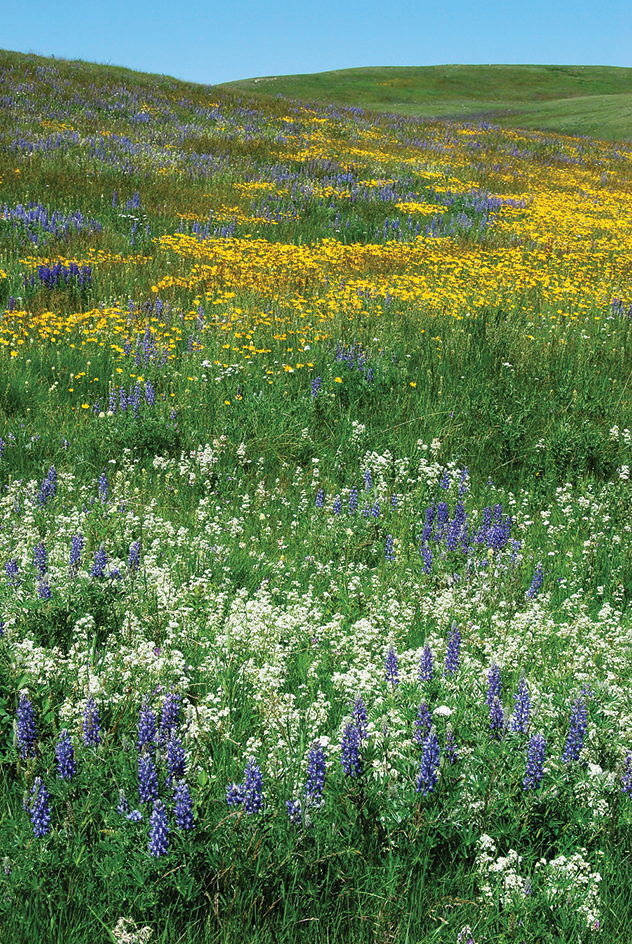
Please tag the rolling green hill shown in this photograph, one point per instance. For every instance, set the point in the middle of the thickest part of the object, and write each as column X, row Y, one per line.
column 591, row 100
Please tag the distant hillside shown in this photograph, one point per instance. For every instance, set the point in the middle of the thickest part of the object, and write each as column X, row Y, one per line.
column 591, row 100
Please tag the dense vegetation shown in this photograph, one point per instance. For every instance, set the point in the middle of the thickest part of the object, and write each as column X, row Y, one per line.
column 315, row 448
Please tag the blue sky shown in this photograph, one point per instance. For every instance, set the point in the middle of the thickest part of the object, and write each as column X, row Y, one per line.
column 214, row 42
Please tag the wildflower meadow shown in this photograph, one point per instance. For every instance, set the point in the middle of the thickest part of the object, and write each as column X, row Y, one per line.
column 315, row 520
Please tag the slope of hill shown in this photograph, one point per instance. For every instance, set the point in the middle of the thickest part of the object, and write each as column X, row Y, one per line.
column 593, row 100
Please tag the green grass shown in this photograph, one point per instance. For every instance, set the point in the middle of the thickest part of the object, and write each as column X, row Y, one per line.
column 592, row 100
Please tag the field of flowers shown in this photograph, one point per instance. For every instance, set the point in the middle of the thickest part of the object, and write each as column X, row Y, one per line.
column 315, row 520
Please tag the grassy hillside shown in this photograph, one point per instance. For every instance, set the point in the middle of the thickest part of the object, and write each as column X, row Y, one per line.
column 315, row 519
column 593, row 100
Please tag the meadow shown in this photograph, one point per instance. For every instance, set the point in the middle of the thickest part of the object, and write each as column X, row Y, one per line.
column 315, row 517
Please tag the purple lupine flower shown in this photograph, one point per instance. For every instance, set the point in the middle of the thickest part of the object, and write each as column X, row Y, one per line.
column 147, row 779
column 445, row 480
column 426, row 553
column 169, row 717
column 350, row 751
column 453, row 653
column 576, row 731
column 39, row 559
column 315, row 783
column 626, row 775
column 337, row 505
column 146, row 728
column 392, row 667
column 78, row 544
column 158, row 830
column 427, row 776
column 176, row 760
column 123, row 804
column 320, row 498
column 48, row 488
column 26, row 730
column 367, row 480
column 39, row 808
column 422, row 724
column 353, row 500
column 183, row 809
column 13, row 573
column 360, row 719
column 91, row 723
column 393, row 502
column 44, row 591
column 235, row 794
column 112, row 401
column 100, row 560
column 535, row 762
column 150, row 393
column 294, row 812
column 135, row 816
column 493, row 684
column 133, row 561
column 103, row 488
column 389, row 553
column 366, row 511
column 522, row 708
column 375, row 511
column 65, row 754
column 253, row 780
column 536, row 584
column 450, row 746
column 497, row 721
column 317, row 383
column 426, row 668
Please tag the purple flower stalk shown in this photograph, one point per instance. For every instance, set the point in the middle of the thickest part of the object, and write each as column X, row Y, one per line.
column 176, row 760
column 389, row 553
column 522, row 709
column 133, row 561
column 493, row 684
column 576, row 731
column 423, row 723
column 496, row 718
column 91, row 724
column 26, row 730
column 158, row 830
column 253, row 786
column 147, row 779
column 360, row 719
column 294, row 812
column 146, row 728
column 535, row 762
column 626, row 775
column 536, row 584
column 78, row 544
column 392, row 667
column 453, row 654
column 428, row 776
column 169, row 717
column 353, row 500
column 350, row 751
column 183, row 810
column 65, row 754
column 320, row 498
column 39, row 808
column 315, row 784
column 426, row 668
